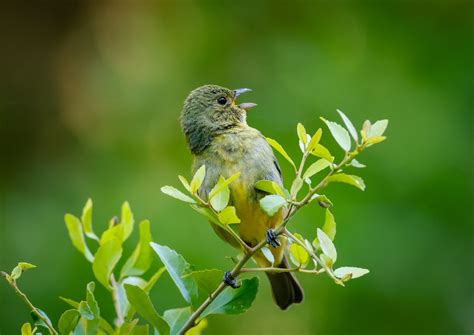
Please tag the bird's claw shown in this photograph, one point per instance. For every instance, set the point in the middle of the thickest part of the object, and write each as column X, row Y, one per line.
column 229, row 280
column 272, row 238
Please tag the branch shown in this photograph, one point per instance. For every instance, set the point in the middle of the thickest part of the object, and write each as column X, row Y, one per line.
column 27, row 301
column 235, row 273
column 323, row 183
column 249, row 252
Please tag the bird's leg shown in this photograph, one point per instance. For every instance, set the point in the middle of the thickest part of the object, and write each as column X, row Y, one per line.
column 229, row 280
column 272, row 238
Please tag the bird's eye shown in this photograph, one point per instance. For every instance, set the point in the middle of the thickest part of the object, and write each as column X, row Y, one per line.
column 222, row 101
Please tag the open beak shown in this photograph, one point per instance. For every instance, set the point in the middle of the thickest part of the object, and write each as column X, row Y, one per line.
column 245, row 105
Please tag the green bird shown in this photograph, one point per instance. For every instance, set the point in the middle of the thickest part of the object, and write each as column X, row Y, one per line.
column 219, row 137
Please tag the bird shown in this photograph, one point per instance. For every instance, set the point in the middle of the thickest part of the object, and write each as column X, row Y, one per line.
column 218, row 136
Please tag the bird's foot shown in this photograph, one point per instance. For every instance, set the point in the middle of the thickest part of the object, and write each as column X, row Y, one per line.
column 229, row 280
column 272, row 238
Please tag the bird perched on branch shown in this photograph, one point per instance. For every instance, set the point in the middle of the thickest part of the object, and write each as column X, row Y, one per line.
column 219, row 137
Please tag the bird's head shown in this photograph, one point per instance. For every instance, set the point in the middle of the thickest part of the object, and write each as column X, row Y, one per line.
column 211, row 110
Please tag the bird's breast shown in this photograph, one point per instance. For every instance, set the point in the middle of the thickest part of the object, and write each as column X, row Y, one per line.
column 249, row 154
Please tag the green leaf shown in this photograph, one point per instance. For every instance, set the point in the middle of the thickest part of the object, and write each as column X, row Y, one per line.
column 296, row 187
column 353, row 272
column 209, row 214
column 86, row 220
column 316, row 167
column 322, row 200
column 340, row 134
column 220, row 199
column 119, row 230
column 85, row 310
column 127, row 221
column 301, row 133
column 115, row 231
column 269, row 187
column 329, row 227
column 374, row 140
column 74, row 228
column 275, row 145
column 68, row 321
column 377, row 129
column 177, row 194
column 140, row 260
column 125, row 307
column 223, row 184
column 103, row 324
column 321, row 151
column 19, row 269
column 234, row 301
column 91, row 299
column 141, row 302
column 176, row 318
column 272, row 204
column 303, row 146
column 315, row 140
column 355, row 163
column 185, row 183
column 327, row 246
column 198, row 179
column 228, row 216
column 298, row 255
column 177, row 267
column 348, row 179
column 206, row 280
column 316, row 244
column 106, row 257
column 349, row 125
column 70, row 302
column 26, row 329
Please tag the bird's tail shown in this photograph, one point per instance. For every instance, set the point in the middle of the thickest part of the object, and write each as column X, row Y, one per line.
column 285, row 288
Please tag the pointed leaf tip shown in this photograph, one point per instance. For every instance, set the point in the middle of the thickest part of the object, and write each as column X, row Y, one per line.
column 277, row 146
column 198, row 179
column 349, row 125
column 177, row 194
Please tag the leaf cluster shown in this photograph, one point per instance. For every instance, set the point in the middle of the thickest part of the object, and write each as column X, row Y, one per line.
column 203, row 291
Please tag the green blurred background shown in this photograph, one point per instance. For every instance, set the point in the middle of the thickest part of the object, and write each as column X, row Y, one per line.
column 90, row 94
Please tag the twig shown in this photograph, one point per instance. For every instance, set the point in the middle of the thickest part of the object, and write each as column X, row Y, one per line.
column 315, row 257
column 115, row 297
column 278, row 270
column 244, row 245
column 23, row 297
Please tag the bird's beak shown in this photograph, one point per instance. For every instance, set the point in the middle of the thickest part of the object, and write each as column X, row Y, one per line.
column 239, row 91
column 245, row 105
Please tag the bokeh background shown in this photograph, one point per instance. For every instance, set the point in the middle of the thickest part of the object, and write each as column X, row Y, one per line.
column 90, row 94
